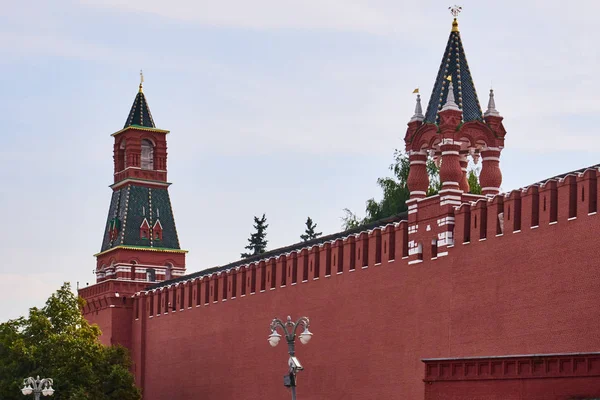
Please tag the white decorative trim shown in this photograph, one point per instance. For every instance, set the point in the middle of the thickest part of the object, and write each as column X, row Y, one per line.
column 417, row 192
column 451, row 202
column 449, row 183
column 451, row 197
column 448, row 191
column 446, row 221
column 450, row 141
column 450, row 152
column 491, row 159
column 415, row 162
column 415, row 262
column 141, row 181
column 125, row 169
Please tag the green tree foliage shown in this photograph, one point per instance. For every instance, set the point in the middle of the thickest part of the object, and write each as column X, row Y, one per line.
column 474, row 186
column 310, row 233
column 57, row 342
column 257, row 243
column 395, row 193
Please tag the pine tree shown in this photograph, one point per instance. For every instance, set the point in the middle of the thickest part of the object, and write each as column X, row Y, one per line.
column 310, row 233
column 257, row 243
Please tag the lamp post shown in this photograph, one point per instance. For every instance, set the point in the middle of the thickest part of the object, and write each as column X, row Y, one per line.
column 289, row 330
column 37, row 386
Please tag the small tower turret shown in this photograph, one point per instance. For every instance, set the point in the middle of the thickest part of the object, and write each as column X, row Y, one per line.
column 490, row 178
column 418, row 179
column 454, row 127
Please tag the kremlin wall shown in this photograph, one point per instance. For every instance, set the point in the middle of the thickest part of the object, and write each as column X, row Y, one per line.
column 464, row 296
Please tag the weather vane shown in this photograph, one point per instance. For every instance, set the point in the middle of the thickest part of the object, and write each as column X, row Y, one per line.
column 141, row 77
column 455, row 10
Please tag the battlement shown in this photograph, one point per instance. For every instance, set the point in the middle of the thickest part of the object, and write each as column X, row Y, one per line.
column 109, row 294
column 556, row 200
column 322, row 258
column 430, row 230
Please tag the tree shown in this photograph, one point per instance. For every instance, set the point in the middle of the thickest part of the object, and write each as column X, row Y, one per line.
column 349, row 220
column 395, row 193
column 257, row 243
column 310, row 233
column 57, row 342
column 474, row 186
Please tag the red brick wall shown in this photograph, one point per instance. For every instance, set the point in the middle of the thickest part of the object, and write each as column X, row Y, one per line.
column 518, row 389
column 546, row 377
column 522, row 292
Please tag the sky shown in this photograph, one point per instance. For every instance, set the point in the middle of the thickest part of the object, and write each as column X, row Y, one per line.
column 289, row 108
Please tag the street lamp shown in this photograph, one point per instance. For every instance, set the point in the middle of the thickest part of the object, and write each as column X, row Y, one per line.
column 289, row 330
column 37, row 386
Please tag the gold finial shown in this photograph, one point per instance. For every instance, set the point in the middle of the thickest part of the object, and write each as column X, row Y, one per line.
column 141, row 81
column 449, row 78
column 455, row 11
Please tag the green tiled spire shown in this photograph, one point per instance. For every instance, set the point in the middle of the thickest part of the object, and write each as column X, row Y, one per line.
column 140, row 112
column 454, row 64
column 129, row 207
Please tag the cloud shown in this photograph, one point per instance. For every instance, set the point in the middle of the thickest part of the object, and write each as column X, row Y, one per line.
column 19, row 43
column 373, row 16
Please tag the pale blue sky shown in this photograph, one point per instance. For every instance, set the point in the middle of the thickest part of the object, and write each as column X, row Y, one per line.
column 292, row 108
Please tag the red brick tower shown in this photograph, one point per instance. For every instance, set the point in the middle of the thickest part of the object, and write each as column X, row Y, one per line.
column 140, row 244
column 454, row 128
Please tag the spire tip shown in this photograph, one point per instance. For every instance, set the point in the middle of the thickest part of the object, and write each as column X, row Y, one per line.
column 418, row 116
column 141, row 81
column 491, row 110
column 455, row 11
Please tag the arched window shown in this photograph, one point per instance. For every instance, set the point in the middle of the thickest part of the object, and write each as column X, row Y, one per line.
column 147, row 154
column 169, row 271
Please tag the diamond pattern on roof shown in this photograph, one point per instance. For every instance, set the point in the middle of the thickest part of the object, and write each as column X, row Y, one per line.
column 131, row 205
column 454, row 63
column 140, row 113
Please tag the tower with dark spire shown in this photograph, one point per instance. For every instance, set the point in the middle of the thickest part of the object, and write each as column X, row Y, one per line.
column 454, row 70
column 140, row 240
column 454, row 129
column 140, row 244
